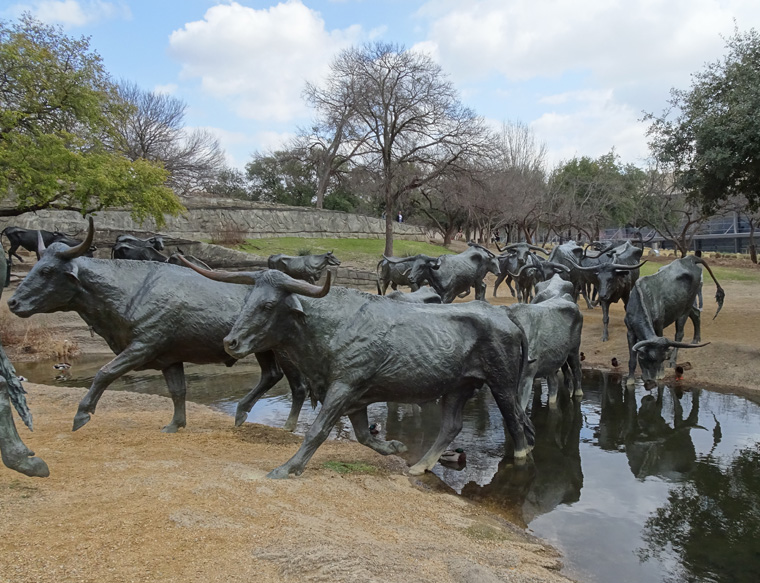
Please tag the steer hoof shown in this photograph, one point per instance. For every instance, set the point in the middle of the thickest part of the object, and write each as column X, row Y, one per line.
column 33, row 467
column 417, row 470
column 241, row 416
column 280, row 473
column 80, row 419
column 171, row 428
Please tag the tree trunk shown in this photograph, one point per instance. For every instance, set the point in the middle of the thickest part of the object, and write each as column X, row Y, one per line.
column 752, row 248
column 448, row 234
column 389, row 216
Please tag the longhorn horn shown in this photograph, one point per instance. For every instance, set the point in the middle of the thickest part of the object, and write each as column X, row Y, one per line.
column 296, row 286
column 83, row 247
column 675, row 344
column 479, row 246
column 526, row 266
column 537, row 248
column 40, row 244
column 659, row 340
column 241, row 277
column 629, row 267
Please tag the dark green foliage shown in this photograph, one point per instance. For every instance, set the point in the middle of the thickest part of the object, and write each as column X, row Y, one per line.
column 707, row 522
column 57, row 113
column 712, row 142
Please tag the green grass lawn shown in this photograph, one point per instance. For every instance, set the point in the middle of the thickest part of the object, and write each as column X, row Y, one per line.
column 367, row 252
column 364, row 251
column 721, row 273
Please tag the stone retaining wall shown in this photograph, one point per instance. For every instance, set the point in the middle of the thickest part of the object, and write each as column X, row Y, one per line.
column 221, row 219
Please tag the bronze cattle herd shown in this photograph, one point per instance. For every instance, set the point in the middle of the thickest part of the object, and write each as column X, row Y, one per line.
column 345, row 348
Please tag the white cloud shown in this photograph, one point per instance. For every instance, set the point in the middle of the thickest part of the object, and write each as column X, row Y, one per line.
column 72, row 13
column 609, row 60
column 617, row 41
column 259, row 59
column 239, row 146
column 598, row 124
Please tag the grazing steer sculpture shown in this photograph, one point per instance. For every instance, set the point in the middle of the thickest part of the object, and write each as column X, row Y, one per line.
column 424, row 295
column 136, row 252
column 152, row 315
column 28, row 238
column 452, row 276
column 156, row 241
column 553, row 328
column 356, row 349
column 13, row 452
column 395, row 271
column 306, row 267
column 656, row 302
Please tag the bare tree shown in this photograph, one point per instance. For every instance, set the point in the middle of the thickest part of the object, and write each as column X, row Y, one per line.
column 415, row 126
column 334, row 138
column 154, row 130
column 669, row 211
column 518, row 178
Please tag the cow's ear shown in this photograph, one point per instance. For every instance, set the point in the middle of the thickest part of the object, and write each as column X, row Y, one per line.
column 294, row 305
column 72, row 271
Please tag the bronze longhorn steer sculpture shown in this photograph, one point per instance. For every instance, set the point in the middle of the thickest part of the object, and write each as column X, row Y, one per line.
column 355, row 349
column 152, row 315
column 656, row 302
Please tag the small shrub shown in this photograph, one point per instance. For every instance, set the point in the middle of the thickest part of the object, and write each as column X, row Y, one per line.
column 34, row 337
column 304, row 251
column 230, row 234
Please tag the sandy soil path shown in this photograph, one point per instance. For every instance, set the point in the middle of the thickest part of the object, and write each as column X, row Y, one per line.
column 125, row 502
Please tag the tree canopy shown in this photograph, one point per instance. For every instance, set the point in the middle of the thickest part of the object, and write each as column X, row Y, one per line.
column 57, row 113
column 712, row 142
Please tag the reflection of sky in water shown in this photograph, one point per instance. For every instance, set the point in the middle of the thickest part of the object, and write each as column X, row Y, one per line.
column 579, row 492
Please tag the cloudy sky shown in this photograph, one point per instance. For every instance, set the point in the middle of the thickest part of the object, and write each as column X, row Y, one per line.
column 580, row 73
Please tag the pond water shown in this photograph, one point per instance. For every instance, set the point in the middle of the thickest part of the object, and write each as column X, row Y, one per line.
column 630, row 485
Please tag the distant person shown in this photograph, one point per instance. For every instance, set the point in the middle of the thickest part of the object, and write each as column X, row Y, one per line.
column 400, row 218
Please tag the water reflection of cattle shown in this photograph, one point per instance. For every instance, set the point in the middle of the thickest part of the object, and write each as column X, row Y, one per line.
column 453, row 275
column 656, row 302
column 356, row 349
column 13, row 452
column 553, row 328
column 394, row 271
column 306, row 267
column 152, row 315
column 27, row 238
column 653, row 445
column 554, row 474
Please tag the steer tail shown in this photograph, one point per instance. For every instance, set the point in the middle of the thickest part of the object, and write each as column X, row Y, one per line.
column 720, row 295
column 530, row 431
column 16, row 392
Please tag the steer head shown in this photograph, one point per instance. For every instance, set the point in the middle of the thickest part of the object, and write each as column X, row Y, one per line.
column 53, row 281
column 611, row 277
column 653, row 352
column 331, row 259
column 271, row 308
column 423, row 269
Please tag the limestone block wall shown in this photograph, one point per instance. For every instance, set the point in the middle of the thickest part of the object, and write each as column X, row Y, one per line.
column 211, row 219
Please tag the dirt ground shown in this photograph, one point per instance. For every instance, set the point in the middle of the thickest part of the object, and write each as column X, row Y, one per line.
column 125, row 502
